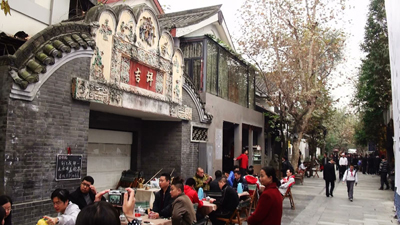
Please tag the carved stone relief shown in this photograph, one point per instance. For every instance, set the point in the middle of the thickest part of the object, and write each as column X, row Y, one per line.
column 125, row 68
column 160, row 82
column 168, row 86
column 96, row 70
column 147, row 32
column 127, row 31
column 105, row 30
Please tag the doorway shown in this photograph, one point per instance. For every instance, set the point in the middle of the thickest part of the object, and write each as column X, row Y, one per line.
column 228, row 146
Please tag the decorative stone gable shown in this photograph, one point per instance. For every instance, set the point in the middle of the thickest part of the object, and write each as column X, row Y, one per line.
column 132, row 56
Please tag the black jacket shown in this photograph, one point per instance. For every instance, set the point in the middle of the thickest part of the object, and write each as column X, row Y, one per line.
column 78, row 198
column 383, row 167
column 214, row 185
column 229, row 200
column 244, row 184
column 329, row 172
column 164, row 210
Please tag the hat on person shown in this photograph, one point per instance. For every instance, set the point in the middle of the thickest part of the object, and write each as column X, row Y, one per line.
column 343, row 154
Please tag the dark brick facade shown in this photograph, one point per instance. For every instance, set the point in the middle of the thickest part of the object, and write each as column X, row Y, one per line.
column 5, row 84
column 190, row 150
column 35, row 133
column 161, row 147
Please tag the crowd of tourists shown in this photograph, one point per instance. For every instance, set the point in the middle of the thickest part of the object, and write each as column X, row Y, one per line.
column 349, row 165
column 175, row 199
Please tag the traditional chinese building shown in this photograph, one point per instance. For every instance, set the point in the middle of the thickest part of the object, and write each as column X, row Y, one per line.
column 128, row 87
column 226, row 85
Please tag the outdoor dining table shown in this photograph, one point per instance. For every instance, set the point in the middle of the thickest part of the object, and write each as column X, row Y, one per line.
column 145, row 220
column 208, row 207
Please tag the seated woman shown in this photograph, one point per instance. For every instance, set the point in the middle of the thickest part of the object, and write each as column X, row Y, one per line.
column 287, row 182
column 6, row 203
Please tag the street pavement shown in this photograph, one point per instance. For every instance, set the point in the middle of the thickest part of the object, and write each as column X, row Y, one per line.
column 369, row 206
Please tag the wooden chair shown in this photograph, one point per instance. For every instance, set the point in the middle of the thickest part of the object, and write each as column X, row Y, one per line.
column 253, row 189
column 128, row 178
column 315, row 171
column 235, row 217
column 299, row 177
column 290, row 196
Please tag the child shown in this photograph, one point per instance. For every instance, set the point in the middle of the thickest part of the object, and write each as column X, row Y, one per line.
column 350, row 176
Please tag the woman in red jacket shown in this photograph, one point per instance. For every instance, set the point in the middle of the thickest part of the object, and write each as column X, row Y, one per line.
column 269, row 206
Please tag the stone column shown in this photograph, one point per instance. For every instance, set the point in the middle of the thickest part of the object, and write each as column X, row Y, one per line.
column 251, row 153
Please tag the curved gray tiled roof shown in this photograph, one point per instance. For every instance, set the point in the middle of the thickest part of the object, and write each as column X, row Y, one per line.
column 41, row 50
column 187, row 18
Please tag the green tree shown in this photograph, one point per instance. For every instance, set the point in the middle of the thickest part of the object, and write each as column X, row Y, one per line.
column 295, row 49
column 341, row 130
column 373, row 95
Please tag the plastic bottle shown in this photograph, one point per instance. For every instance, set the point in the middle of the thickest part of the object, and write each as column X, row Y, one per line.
column 240, row 188
column 200, row 193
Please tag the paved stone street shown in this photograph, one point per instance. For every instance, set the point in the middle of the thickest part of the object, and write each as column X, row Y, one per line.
column 370, row 205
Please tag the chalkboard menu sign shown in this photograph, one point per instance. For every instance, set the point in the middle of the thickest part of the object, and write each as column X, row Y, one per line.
column 68, row 167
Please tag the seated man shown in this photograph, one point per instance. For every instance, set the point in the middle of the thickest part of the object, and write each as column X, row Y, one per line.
column 214, row 184
column 182, row 208
column 162, row 206
column 302, row 168
column 202, row 180
column 84, row 195
column 192, row 194
column 67, row 211
column 287, row 182
column 239, row 179
column 226, row 205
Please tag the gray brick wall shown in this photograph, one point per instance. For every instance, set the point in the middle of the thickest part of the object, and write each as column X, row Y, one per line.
column 36, row 132
column 190, row 150
column 5, row 84
column 161, row 147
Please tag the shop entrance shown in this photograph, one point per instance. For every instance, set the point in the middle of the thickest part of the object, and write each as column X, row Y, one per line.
column 109, row 153
column 228, row 146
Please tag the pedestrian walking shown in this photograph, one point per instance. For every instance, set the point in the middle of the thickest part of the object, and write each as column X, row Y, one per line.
column 350, row 177
column 329, row 177
column 324, row 161
column 383, row 171
column 342, row 165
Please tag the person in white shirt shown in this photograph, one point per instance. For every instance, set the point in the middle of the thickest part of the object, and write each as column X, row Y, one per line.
column 286, row 182
column 342, row 165
column 67, row 211
column 350, row 176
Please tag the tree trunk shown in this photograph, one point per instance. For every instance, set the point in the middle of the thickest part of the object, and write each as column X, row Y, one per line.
column 300, row 127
